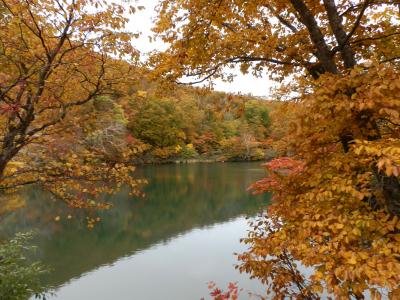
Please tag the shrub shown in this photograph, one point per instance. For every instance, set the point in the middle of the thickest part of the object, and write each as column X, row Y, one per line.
column 19, row 277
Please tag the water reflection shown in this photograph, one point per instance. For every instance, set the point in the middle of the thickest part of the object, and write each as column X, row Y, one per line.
column 179, row 199
column 175, row 270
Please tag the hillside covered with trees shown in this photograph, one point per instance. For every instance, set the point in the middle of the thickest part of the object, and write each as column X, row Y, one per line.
column 183, row 124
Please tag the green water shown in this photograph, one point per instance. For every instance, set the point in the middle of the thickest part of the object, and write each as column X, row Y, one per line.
column 165, row 246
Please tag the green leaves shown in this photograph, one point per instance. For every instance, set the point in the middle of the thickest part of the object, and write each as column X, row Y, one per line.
column 19, row 276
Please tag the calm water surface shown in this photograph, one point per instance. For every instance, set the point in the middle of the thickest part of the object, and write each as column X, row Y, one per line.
column 166, row 246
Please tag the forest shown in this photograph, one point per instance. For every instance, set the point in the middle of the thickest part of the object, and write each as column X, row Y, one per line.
column 82, row 111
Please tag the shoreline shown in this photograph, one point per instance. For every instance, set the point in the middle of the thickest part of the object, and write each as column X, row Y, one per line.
column 195, row 161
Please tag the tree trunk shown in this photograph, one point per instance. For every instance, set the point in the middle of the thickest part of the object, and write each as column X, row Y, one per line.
column 391, row 192
column 388, row 185
column 390, row 188
column 6, row 156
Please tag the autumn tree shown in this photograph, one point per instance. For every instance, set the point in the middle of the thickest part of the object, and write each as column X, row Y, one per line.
column 159, row 123
column 337, row 197
column 57, row 57
column 256, row 114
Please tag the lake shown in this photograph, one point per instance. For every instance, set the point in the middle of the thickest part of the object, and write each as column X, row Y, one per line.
column 168, row 245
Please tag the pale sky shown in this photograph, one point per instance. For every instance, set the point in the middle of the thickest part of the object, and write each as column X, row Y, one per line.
column 143, row 21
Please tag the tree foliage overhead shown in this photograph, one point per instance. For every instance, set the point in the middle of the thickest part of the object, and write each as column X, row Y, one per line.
column 336, row 184
column 287, row 36
column 56, row 57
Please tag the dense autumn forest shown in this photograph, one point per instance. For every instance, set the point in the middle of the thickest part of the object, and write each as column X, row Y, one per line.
column 80, row 109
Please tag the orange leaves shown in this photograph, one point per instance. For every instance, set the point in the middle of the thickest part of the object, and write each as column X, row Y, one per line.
column 223, row 34
column 285, row 166
column 322, row 215
column 384, row 153
column 59, row 56
column 343, row 128
column 385, row 165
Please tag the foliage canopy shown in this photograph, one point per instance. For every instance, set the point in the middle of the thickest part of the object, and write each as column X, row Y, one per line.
column 336, row 185
column 56, row 57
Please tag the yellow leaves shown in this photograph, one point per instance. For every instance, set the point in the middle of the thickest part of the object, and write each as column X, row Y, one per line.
column 385, row 251
column 386, row 165
column 77, row 176
column 13, row 167
column 91, row 222
column 391, row 113
column 318, row 275
column 10, row 202
column 339, row 226
column 386, row 153
column 178, row 149
column 356, row 231
column 352, row 260
column 54, row 153
column 382, row 162
column 10, row 171
column 317, row 288
column 395, row 84
column 16, row 164
column 327, row 223
column 141, row 94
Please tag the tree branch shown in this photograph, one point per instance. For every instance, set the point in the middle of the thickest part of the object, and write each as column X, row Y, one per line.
column 335, row 22
column 356, row 23
column 237, row 59
column 282, row 19
column 323, row 53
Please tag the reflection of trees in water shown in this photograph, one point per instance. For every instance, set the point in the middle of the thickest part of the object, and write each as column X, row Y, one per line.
column 179, row 198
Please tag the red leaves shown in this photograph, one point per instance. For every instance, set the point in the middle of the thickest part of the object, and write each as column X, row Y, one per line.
column 277, row 169
column 9, row 108
column 217, row 294
column 285, row 165
column 130, row 139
